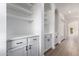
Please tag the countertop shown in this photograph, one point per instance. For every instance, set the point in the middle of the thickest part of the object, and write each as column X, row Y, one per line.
column 20, row 37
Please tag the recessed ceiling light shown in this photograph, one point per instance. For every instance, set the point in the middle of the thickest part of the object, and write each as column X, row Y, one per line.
column 69, row 12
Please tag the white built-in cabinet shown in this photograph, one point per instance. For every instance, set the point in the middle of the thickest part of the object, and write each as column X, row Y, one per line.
column 33, row 46
column 17, row 47
column 47, row 35
column 48, row 39
column 56, row 26
column 23, row 47
column 2, row 28
column 18, row 52
column 25, row 19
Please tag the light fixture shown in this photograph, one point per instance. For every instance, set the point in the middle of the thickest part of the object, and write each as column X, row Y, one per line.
column 69, row 11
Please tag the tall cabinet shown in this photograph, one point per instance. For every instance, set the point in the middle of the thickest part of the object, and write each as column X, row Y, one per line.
column 47, row 34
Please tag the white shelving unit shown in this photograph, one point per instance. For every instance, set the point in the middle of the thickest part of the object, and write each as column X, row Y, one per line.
column 24, row 19
column 19, row 18
column 47, row 37
column 18, row 7
column 19, row 12
column 46, row 17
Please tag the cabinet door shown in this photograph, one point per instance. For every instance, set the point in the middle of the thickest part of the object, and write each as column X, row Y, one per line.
column 48, row 43
column 56, row 39
column 18, row 52
column 33, row 46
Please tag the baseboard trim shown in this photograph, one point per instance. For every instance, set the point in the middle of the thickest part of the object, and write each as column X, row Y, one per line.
column 56, row 44
column 47, row 51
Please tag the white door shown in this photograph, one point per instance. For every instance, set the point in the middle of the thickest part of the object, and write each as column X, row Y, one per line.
column 33, row 46
column 18, row 52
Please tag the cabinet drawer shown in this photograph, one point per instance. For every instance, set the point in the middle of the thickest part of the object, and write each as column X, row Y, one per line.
column 15, row 43
column 48, row 36
column 18, row 52
column 33, row 40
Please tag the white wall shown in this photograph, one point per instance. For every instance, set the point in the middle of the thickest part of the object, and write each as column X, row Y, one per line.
column 59, row 26
column 21, row 27
column 61, row 31
column 62, row 28
column 66, row 30
column 2, row 29
column 18, row 28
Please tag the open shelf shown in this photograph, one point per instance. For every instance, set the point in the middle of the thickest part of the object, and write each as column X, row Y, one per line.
column 21, row 9
column 18, row 17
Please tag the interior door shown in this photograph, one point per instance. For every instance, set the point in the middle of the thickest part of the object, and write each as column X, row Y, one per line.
column 33, row 46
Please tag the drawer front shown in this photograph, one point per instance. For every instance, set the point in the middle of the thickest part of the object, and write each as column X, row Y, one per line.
column 48, row 36
column 33, row 40
column 16, row 43
column 18, row 52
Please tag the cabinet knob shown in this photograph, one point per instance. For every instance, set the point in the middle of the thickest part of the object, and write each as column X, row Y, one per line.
column 48, row 39
column 56, row 37
column 30, row 46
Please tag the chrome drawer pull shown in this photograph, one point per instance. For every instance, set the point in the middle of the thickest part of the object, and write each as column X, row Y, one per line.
column 30, row 46
column 48, row 39
column 19, row 43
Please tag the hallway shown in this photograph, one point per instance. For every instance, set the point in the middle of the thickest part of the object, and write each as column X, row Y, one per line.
column 69, row 47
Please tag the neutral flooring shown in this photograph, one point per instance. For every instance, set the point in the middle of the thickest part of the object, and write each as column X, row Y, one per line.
column 68, row 47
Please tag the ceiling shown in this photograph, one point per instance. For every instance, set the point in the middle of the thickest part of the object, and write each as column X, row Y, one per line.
column 69, row 10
